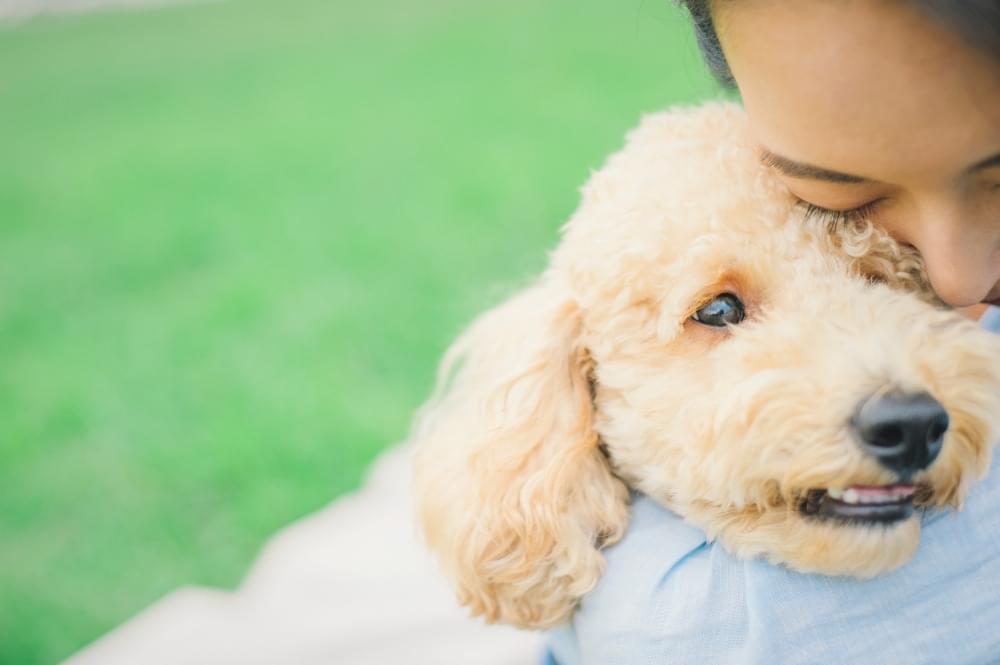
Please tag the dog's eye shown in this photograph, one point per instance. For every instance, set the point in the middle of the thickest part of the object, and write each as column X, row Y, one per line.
column 724, row 310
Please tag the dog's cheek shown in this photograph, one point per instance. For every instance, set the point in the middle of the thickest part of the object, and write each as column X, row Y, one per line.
column 964, row 459
column 649, row 425
column 968, row 385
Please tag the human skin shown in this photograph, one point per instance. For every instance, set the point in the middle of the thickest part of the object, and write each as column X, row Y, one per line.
column 861, row 103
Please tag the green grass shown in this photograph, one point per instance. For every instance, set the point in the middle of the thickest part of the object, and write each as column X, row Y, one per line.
column 234, row 240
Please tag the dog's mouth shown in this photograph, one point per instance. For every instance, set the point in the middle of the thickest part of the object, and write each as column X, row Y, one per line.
column 860, row 504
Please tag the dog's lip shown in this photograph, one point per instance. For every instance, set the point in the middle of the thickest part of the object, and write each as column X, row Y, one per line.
column 860, row 504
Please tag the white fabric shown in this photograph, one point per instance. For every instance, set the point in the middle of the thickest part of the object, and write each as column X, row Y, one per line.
column 349, row 585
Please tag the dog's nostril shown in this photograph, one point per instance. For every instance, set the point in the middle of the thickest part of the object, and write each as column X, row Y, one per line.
column 886, row 436
column 938, row 428
column 903, row 431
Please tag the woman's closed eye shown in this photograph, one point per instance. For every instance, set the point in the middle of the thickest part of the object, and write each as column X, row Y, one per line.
column 835, row 218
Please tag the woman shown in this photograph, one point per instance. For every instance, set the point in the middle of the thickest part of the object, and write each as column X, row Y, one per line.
column 890, row 108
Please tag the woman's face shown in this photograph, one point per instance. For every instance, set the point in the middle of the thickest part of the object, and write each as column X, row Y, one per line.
column 873, row 106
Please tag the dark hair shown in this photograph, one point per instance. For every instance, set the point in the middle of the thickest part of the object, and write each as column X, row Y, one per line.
column 977, row 20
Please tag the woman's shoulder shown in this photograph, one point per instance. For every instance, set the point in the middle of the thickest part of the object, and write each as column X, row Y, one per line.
column 649, row 573
column 991, row 319
column 670, row 596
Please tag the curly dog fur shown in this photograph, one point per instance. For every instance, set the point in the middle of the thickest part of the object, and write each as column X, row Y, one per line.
column 596, row 379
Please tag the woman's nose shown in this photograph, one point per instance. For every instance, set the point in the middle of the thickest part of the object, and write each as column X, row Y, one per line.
column 962, row 256
column 962, row 280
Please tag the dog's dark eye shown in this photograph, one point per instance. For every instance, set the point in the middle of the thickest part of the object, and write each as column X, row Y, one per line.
column 724, row 310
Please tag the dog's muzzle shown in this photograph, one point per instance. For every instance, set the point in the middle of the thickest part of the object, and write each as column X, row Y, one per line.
column 904, row 432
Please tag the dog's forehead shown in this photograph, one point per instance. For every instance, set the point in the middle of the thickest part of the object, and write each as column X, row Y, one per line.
column 687, row 188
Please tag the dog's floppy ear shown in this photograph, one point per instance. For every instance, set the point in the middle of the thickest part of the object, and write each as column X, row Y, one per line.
column 514, row 495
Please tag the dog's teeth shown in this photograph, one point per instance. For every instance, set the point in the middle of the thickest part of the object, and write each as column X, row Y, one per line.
column 865, row 495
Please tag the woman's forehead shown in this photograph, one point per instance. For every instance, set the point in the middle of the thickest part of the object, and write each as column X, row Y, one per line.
column 875, row 89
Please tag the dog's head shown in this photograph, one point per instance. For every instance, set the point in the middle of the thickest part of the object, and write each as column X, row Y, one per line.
column 790, row 388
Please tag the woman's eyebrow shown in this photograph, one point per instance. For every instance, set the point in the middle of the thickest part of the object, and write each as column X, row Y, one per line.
column 794, row 169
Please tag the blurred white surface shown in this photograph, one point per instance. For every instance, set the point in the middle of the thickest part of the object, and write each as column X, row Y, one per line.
column 349, row 585
column 19, row 10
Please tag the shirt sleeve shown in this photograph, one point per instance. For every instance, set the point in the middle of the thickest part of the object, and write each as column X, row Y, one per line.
column 665, row 593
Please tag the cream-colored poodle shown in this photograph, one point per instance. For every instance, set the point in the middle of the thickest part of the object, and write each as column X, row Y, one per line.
column 787, row 384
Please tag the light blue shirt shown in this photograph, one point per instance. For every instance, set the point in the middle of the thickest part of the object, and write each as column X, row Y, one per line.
column 669, row 597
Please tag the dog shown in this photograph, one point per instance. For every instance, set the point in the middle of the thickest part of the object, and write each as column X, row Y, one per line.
column 789, row 385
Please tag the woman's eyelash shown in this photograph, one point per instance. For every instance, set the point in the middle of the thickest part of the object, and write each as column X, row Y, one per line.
column 836, row 218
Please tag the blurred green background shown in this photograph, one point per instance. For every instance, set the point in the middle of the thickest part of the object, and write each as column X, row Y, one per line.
column 234, row 240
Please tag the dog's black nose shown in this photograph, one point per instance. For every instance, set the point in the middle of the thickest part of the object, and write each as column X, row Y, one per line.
column 903, row 431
